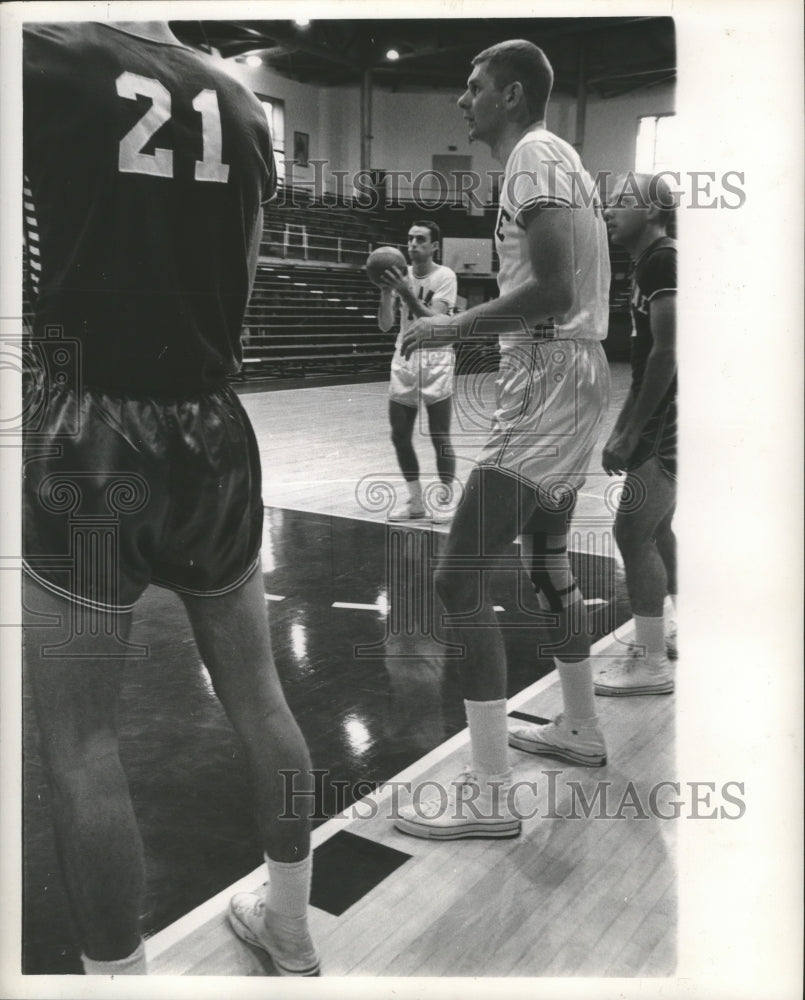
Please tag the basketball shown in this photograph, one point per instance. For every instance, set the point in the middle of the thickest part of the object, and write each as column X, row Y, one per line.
column 381, row 260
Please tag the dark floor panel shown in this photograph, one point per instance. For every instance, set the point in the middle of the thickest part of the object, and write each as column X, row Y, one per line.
column 525, row 717
column 367, row 862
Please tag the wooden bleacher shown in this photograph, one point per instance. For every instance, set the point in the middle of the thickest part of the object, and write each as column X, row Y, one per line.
column 306, row 319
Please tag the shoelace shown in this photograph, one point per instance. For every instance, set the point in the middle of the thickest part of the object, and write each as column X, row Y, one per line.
column 465, row 777
column 634, row 654
column 540, row 726
column 435, row 803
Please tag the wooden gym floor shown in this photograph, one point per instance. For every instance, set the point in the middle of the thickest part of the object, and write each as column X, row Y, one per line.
column 588, row 889
column 572, row 896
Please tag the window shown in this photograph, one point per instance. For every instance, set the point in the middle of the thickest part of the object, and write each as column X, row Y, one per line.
column 275, row 116
column 656, row 144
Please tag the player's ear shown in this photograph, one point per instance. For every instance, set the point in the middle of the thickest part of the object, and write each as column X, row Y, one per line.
column 513, row 94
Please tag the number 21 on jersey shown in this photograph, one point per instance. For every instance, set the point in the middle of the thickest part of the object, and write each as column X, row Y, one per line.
column 132, row 159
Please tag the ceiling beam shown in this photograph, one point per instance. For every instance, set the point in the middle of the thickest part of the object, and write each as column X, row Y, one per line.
column 634, row 74
column 287, row 39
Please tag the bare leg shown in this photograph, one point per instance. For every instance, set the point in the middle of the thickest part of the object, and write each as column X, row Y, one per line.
column 543, row 550
column 97, row 839
column 233, row 638
column 635, row 532
column 665, row 540
column 439, row 417
column 487, row 521
column 648, row 502
column 575, row 735
column 402, row 420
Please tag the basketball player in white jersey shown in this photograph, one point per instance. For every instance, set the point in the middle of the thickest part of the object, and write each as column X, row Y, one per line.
column 425, row 289
column 553, row 389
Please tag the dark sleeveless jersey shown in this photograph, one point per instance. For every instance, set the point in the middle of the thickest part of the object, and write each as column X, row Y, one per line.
column 654, row 274
column 145, row 169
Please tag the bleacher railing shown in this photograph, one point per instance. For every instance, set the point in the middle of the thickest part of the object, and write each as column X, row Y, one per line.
column 298, row 242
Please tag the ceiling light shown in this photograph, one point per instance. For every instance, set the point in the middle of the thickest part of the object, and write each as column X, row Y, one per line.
column 392, row 55
column 254, row 61
column 302, row 22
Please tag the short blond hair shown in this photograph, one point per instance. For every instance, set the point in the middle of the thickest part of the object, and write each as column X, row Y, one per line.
column 519, row 61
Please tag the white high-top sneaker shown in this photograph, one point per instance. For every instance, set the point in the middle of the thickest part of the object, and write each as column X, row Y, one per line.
column 576, row 742
column 286, row 939
column 472, row 805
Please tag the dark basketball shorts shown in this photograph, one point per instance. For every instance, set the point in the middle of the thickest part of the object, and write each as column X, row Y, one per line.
column 120, row 492
column 658, row 440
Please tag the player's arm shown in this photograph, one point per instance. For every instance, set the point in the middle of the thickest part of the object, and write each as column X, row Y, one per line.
column 623, row 416
column 660, row 364
column 393, row 281
column 385, row 311
column 548, row 293
column 657, row 377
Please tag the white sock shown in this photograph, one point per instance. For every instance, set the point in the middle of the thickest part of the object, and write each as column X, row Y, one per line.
column 578, row 694
column 415, row 491
column 132, row 965
column 289, row 885
column 650, row 632
column 489, row 736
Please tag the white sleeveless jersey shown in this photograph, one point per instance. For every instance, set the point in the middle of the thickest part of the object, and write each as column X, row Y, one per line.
column 544, row 170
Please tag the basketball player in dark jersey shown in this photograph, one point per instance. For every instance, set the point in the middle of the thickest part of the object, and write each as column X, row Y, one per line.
column 643, row 442
column 145, row 170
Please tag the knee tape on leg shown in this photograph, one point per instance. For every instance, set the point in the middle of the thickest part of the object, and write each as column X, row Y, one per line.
column 550, row 572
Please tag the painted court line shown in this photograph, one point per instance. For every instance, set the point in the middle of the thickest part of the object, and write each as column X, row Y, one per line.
column 356, row 607
column 192, row 921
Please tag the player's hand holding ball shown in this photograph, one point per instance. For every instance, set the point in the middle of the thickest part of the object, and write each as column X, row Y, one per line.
column 386, row 267
column 394, row 280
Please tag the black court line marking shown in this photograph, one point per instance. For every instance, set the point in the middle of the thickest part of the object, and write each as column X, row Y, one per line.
column 347, row 867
